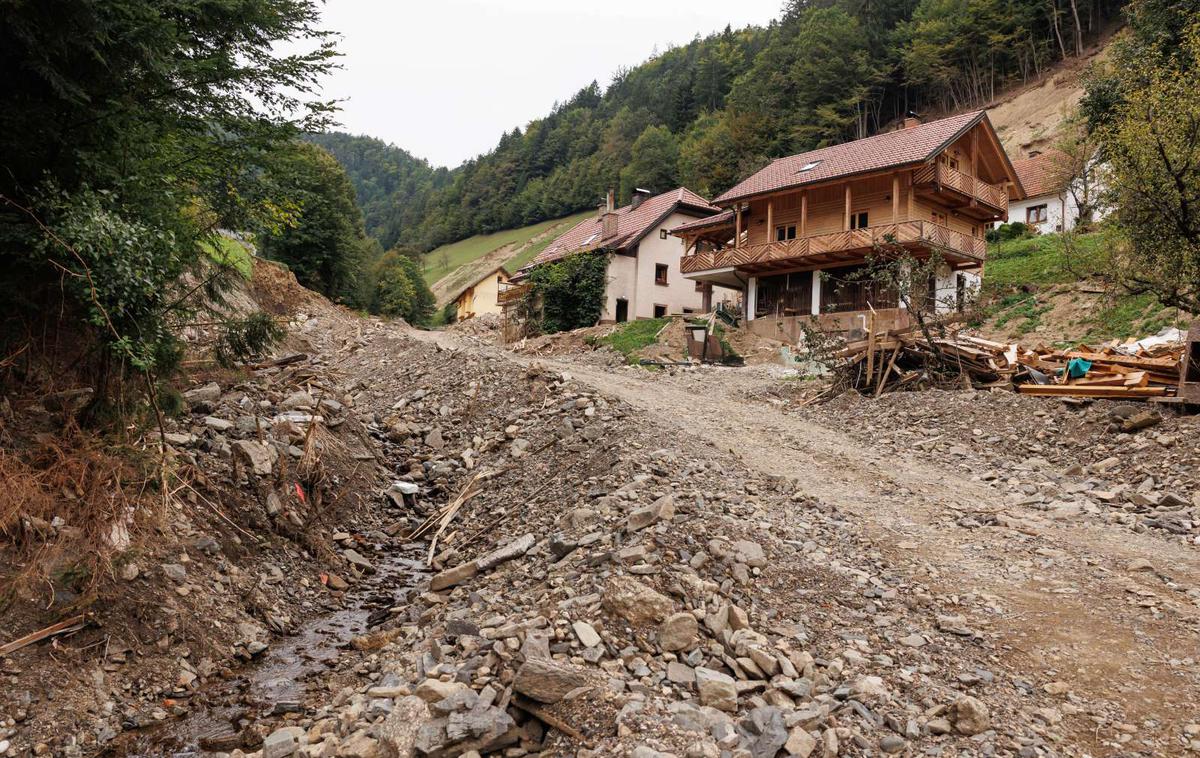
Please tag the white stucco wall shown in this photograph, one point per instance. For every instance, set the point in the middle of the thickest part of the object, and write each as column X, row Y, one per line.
column 946, row 295
column 1061, row 212
column 632, row 277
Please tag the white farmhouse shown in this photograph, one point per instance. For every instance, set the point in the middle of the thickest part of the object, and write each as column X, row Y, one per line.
column 644, row 280
column 1048, row 206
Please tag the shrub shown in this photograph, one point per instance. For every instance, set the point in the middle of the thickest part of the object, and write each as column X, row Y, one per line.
column 571, row 291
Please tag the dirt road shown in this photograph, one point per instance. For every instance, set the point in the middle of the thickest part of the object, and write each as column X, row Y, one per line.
column 1058, row 596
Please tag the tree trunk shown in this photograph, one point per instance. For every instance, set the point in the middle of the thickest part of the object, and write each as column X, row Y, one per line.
column 1057, row 32
column 1078, row 28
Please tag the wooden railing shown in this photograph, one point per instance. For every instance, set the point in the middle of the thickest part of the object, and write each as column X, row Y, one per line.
column 510, row 293
column 908, row 233
column 940, row 173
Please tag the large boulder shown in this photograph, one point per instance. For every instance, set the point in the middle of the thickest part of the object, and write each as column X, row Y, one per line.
column 548, row 681
column 635, row 602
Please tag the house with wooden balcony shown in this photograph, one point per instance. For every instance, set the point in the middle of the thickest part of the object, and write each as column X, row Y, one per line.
column 793, row 235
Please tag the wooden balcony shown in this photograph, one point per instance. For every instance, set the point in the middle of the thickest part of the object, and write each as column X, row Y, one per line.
column 955, row 189
column 960, row 250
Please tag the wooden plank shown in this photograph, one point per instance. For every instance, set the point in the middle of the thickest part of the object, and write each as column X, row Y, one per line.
column 1075, row 390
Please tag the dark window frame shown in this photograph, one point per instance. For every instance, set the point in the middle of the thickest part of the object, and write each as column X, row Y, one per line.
column 785, row 232
column 661, row 272
column 1037, row 214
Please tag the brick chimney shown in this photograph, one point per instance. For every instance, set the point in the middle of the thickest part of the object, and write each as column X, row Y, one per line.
column 639, row 196
column 911, row 119
column 609, row 218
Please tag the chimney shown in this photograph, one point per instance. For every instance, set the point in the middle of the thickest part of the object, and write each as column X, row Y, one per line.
column 911, row 119
column 609, row 217
column 640, row 196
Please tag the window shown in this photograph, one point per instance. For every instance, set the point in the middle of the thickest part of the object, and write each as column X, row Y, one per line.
column 858, row 220
column 851, row 289
column 662, row 234
column 784, row 295
column 688, row 311
column 808, row 166
column 660, row 311
column 622, row 314
column 1035, row 214
column 953, row 163
column 699, row 286
column 938, row 218
column 660, row 274
column 783, row 233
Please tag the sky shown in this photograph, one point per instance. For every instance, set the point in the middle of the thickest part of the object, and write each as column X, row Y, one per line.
column 444, row 79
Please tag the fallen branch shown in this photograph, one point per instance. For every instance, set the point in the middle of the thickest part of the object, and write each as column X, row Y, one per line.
column 73, row 624
column 554, row 722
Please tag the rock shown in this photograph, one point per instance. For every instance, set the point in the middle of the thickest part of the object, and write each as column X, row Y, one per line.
column 398, row 732
column 588, row 637
column 284, row 742
column 298, row 400
column 799, row 742
column 869, row 688
column 678, row 632
column 435, row 690
column 336, row 583
column 206, row 393
column 548, row 681
column 970, row 716
column 763, row 732
column 749, row 553
column 891, row 743
column 635, row 602
column 662, row 509
column 514, row 549
column 356, row 559
column 450, row 577
column 1142, row 420
column 258, row 457
column 175, row 572
column 1139, row 564
column 716, row 689
column 218, row 424
column 434, row 439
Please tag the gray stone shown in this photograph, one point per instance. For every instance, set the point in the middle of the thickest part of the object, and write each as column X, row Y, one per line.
column 258, row 457
column 800, row 743
column 891, row 743
column 970, row 716
column 205, row 393
column 356, row 559
column 514, row 549
column 588, row 637
column 662, row 509
column 284, row 742
column 450, row 577
column 175, row 572
column 434, row 439
column 762, row 732
column 548, row 681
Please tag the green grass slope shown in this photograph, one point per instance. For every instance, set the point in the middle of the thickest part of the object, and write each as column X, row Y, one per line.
column 449, row 258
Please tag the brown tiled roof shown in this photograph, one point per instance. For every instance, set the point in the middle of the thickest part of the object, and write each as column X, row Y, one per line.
column 883, row 151
column 632, row 225
column 721, row 219
column 1036, row 173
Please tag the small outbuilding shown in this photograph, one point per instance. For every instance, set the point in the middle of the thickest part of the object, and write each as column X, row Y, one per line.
column 482, row 296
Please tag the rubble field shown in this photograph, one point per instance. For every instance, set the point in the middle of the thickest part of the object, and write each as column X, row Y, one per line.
column 499, row 554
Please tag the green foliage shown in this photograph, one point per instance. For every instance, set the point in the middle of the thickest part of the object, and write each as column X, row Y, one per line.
column 1151, row 138
column 449, row 313
column 632, row 336
column 226, row 251
column 244, row 339
column 451, row 257
column 571, row 291
column 709, row 112
column 400, row 289
column 322, row 239
column 130, row 130
column 1010, row 231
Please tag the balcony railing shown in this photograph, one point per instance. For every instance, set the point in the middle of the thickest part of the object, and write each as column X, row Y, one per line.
column 953, row 244
column 964, row 184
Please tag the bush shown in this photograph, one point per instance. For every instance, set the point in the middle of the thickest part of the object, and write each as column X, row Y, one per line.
column 400, row 289
column 571, row 291
column 1011, row 231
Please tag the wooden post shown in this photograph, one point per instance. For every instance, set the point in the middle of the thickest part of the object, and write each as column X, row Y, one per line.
column 910, row 196
column 975, row 152
column 804, row 213
column 771, row 220
column 846, row 217
column 737, row 225
column 895, row 198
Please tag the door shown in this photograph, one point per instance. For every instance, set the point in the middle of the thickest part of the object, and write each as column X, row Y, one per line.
column 622, row 310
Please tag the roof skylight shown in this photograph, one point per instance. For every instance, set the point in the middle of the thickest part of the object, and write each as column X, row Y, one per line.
column 808, row 166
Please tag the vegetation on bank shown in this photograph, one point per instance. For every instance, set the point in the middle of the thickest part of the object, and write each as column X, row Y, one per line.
column 632, row 336
column 448, row 258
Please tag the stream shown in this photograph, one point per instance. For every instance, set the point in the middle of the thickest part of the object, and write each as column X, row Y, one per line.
column 239, row 712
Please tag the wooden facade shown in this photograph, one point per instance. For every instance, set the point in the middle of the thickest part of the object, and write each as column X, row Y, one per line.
column 943, row 204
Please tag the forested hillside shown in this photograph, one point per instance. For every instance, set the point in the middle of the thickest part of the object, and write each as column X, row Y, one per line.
column 709, row 112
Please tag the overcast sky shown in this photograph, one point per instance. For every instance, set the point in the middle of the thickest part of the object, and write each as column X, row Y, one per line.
column 444, row 78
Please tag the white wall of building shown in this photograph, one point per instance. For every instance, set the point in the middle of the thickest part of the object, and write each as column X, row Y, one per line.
column 633, row 277
column 1061, row 212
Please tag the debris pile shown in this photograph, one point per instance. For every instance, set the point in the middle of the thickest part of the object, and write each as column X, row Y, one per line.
column 906, row 358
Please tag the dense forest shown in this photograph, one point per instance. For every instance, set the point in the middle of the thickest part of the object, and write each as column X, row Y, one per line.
column 707, row 113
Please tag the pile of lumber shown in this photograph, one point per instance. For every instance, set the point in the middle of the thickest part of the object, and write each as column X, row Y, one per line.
column 902, row 359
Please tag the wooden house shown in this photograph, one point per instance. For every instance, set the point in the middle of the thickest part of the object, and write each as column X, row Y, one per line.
column 791, row 235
